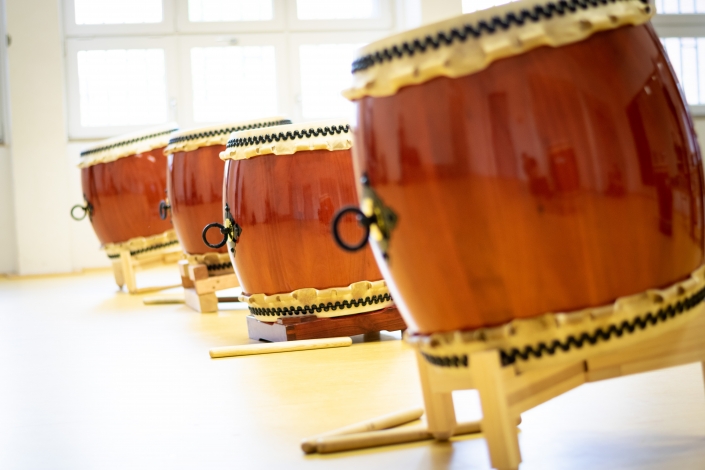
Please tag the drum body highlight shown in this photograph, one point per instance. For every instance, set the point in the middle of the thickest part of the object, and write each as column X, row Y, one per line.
column 123, row 180
column 550, row 180
column 283, row 186
column 195, row 175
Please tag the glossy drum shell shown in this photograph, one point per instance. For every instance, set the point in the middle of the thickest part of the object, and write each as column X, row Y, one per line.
column 125, row 196
column 559, row 179
column 195, row 188
column 285, row 205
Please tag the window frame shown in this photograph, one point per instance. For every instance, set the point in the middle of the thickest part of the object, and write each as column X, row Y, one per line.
column 298, row 39
column 385, row 21
column 277, row 24
column 185, row 43
column 682, row 26
column 73, row 45
column 72, row 30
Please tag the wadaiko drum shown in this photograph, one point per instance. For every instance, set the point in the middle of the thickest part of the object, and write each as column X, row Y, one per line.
column 123, row 180
column 282, row 188
column 532, row 185
column 195, row 187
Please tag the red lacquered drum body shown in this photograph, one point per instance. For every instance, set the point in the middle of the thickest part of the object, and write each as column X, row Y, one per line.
column 123, row 181
column 195, row 179
column 552, row 180
column 283, row 186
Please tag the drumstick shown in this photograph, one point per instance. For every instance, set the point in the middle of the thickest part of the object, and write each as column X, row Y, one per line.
column 267, row 348
column 381, row 422
column 162, row 300
column 364, row 440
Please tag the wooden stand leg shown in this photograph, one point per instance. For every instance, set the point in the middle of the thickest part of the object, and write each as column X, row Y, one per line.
column 702, row 364
column 440, row 412
column 128, row 271
column 117, row 273
column 498, row 425
column 204, row 303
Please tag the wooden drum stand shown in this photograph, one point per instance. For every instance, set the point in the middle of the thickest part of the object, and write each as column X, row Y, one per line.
column 651, row 331
column 202, row 276
column 139, row 252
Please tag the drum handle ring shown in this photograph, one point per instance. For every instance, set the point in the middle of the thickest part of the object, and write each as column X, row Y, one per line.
column 222, row 229
column 87, row 209
column 362, row 219
column 164, row 208
column 230, row 230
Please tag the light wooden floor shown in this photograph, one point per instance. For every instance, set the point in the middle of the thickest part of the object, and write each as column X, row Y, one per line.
column 92, row 379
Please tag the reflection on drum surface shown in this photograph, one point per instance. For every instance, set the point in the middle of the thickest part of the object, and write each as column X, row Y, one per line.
column 285, row 205
column 125, row 196
column 551, row 181
column 195, row 183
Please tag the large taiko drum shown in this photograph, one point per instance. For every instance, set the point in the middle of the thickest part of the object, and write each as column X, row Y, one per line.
column 532, row 179
column 283, row 186
column 195, row 187
column 123, row 180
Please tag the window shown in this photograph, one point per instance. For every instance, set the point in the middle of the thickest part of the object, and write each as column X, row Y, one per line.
column 470, row 6
column 670, row 7
column 230, row 10
column 233, row 82
column 325, row 71
column 117, row 11
column 681, row 26
column 135, row 63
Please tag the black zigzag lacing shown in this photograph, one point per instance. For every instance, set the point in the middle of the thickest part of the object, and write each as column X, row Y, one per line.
column 150, row 248
column 572, row 342
column 123, row 143
column 289, row 135
column 313, row 309
column 446, row 38
column 228, row 130
column 218, row 267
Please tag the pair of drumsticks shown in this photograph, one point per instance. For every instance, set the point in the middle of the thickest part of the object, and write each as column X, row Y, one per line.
column 379, row 432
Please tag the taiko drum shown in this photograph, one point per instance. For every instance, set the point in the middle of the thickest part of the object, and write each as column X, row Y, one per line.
column 123, row 180
column 283, row 185
column 195, row 180
column 534, row 166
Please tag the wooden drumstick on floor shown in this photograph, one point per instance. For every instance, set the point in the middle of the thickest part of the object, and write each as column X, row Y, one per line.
column 382, row 422
column 267, row 348
column 365, row 440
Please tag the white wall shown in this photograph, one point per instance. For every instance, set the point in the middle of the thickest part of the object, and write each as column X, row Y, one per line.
column 38, row 123
column 8, row 247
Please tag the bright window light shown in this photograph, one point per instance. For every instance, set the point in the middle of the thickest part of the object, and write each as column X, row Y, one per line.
column 122, row 87
column 676, row 7
column 230, row 10
column 118, row 11
column 687, row 55
column 470, row 6
column 325, row 72
column 233, row 83
column 336, row 9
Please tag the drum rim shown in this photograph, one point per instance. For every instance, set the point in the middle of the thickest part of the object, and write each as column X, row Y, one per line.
column 358, row 297
column 331, row 134
column 555, row 338
column 382, row 67
column 126, row 145
column 217, row 134
column 140, row 245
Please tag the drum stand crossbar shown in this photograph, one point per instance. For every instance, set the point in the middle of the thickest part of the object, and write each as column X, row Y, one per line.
column 126, row 264
column 312, row 327
column 505, row 393
column 200, row 287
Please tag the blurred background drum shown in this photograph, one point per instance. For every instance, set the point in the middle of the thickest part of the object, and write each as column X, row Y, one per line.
column 123, row 180
column 283, row 186
column 195, row 187
column 528, row 180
